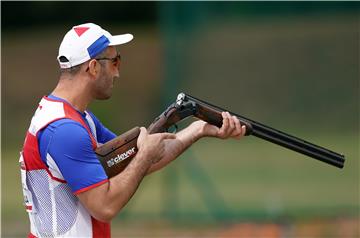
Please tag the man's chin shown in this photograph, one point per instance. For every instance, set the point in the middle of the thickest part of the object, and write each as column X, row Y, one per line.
column 104, row 97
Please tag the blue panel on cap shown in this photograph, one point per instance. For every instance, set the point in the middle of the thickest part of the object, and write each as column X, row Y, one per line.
column 98, row 46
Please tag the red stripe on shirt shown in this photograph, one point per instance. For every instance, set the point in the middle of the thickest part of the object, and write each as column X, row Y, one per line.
column 100, row 229
column 73, row 114
column 91, row 186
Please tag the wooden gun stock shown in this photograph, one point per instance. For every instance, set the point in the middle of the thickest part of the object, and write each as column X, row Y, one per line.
column 117, row 153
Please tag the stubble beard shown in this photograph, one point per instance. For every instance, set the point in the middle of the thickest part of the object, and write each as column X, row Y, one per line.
column 104, row 88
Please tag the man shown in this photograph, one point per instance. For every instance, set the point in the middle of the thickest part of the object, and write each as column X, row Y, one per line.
column 66, row 191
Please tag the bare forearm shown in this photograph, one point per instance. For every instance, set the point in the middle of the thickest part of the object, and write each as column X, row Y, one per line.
column 117, row 192
column 106, row 200
column 184, row 139
column 162, row 147
column 123, row 186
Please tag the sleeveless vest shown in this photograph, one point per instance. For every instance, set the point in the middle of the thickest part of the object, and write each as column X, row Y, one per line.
column 54, row 211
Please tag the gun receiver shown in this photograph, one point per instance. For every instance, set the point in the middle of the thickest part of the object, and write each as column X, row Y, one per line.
column 116, row 154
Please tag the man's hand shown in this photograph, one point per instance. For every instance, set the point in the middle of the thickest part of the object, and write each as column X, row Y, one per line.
column 152, row 147
column 231, row 128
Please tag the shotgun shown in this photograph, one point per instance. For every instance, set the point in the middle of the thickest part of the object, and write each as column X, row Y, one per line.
column 116, row 154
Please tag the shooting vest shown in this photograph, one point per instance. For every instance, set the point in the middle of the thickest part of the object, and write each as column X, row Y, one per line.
column 54, row 211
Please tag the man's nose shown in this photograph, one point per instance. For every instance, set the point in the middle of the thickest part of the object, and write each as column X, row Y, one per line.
column 117, row 71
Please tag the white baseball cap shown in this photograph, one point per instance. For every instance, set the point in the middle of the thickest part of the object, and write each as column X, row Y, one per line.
column 85, row 42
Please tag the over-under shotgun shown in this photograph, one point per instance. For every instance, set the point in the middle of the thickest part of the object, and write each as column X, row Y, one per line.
column 116, row 154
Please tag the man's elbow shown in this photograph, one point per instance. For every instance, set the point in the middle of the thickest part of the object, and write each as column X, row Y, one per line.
column 105, row 215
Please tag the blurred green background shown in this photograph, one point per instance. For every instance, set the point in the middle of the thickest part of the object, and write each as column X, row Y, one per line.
column 291, row 65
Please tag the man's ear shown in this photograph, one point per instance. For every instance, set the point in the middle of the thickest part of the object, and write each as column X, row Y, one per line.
column 93, row 67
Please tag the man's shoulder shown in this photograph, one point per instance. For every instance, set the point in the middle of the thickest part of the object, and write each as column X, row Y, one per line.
column 63, row 135
column 66, row 124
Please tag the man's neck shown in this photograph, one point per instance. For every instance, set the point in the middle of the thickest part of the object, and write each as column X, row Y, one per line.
column 73, row 91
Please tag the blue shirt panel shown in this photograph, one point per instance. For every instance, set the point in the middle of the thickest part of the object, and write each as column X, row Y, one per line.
column 103, row 134
column 69, row 144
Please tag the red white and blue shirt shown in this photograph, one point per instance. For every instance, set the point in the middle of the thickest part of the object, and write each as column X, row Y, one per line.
column 57, row 162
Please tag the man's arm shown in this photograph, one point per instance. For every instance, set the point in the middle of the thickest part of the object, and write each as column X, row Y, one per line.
column 155, row 151
column 106, row 200
column 185, row 138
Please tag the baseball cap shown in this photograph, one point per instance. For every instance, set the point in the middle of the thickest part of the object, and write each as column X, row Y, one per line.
column 86, row 41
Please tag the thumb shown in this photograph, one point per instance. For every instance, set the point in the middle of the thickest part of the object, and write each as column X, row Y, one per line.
column 143, row 133
column 143, row 129
column 211, row 130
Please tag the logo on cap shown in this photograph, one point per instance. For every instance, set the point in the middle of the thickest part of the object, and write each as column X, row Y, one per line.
column 80, row 30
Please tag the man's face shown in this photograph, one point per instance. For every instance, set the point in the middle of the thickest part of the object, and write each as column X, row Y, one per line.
column 110, row 64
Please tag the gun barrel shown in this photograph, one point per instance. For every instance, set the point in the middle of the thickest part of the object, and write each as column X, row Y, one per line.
column 272, row 135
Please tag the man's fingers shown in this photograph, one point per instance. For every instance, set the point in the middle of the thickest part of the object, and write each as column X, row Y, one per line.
column 231, row 127
column 238, row 130
column 231, row 123
column 225, row 125
column 225, row 119
column 243, row 130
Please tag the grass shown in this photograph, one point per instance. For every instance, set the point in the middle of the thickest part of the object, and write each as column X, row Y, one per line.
column 248, row 179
